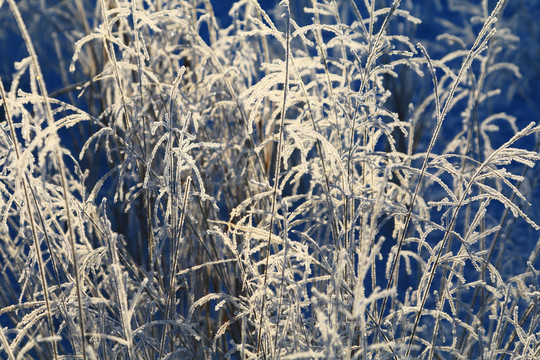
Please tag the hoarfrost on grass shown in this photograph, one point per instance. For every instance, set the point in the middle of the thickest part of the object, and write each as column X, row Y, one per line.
column 293, row 185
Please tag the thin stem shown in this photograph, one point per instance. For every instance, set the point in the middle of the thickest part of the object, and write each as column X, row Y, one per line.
column 276, row 175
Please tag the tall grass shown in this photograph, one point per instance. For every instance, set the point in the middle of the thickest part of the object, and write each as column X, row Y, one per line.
column 317, row 181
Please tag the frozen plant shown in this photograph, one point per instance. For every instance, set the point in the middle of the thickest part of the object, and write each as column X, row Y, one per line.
column 327, row 179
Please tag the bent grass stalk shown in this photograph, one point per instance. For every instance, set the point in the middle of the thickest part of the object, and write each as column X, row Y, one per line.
column 58, row 154
column 478, row 46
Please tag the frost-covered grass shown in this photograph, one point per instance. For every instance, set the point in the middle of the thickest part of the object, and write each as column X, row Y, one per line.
column 338, row 182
